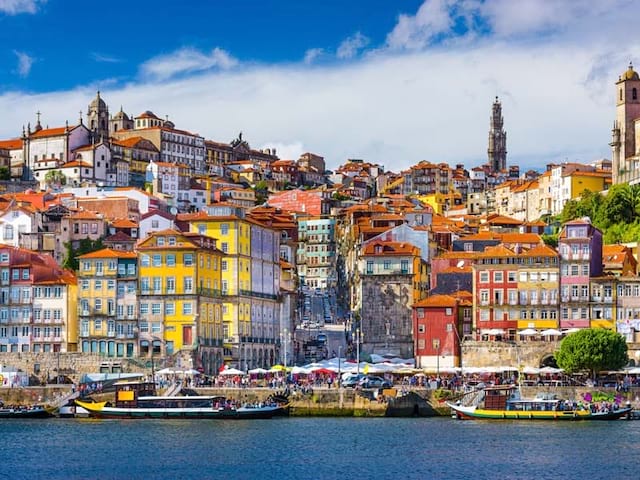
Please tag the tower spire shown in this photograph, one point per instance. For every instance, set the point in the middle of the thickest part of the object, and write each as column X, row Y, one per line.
column 497, row 151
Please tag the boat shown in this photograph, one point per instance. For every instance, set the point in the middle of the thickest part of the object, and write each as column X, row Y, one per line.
column 25, row 411
column 505, row 403
column 138, row 400
column 71, row 410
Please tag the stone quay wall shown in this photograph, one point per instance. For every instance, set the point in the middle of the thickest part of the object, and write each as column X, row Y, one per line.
column 527, row 354
column 43, row 366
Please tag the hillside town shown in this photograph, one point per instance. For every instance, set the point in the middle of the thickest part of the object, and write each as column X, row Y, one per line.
column 128, row 237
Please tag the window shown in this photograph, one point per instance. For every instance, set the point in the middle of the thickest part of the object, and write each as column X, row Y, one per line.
column 634, row 93
column 387, row 264
column 145, row 260
column 160, row 241
column 224, row 246
column 188, row 284
column 369, row 266
column 188, row 259
column 224, row 227
column 98, row 285
column 144, row 308
column 511, row 276
column 156, row 309
column 224, row 265
column 422, row 328
column 484, row 277
column 171, row 260
column 157, row 260
column 8, row 232
column 187, row 308
column 170, row 308
column 498, row 277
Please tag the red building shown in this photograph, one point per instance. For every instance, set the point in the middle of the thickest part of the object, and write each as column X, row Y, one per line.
column 437, row 325
column 312, row 202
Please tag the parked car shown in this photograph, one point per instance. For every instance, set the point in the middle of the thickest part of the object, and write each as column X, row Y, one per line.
column 322, row 337
column 371, row 381
column 351, row 380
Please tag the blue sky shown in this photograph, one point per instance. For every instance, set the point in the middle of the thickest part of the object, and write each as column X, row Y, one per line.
column 393, row 82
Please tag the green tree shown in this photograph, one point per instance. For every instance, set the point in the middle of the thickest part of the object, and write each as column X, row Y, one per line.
column 569, row 211
column 592, row 349
column 5, row 173
column 86, row 245
column 55, row 178
column 550, row 239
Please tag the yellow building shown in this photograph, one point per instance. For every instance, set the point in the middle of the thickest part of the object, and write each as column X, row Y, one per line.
column 107, row 303
column 250, row 283
column 441, row 202
column 180, row 286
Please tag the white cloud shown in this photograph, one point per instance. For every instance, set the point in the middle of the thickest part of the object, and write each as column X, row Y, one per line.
column 417, row 31
column 350, row 47
column 99, row 57
column 312, row 55
column 25, row 62
column 14, row 7
column 186, row 60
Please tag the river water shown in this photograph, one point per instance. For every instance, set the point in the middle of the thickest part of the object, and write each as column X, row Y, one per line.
column 318, row 448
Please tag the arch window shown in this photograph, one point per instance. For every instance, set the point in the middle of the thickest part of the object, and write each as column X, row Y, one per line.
column 620, row 94
column 634, row 93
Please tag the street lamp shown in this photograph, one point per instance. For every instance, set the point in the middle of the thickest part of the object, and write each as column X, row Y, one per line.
column 339, row 369
column 358, row 351
column 436, row 346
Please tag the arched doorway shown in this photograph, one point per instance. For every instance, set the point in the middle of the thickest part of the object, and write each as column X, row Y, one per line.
column 548, row 361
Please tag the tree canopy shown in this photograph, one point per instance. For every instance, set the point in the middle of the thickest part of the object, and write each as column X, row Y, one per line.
column 592, row 349
column 617, row 214
column 86, row 246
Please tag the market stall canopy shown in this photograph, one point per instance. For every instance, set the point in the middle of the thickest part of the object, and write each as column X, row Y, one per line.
column 258, row 371
column 231, row 371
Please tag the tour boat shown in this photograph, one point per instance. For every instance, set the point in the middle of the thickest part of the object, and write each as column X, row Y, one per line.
column 505, row 403
column 32, row 411
column 140, row 401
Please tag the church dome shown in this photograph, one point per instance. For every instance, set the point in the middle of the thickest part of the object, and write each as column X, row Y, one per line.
column 630, row 74
column 121, row 115
column 97, row 103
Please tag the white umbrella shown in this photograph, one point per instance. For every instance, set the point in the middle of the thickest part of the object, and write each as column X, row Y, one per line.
column 572, row 330
column 550, row 331
column 191, row 371
column 166, row 371
column 551, row 370
column 258, row 371
column 528, row 331
column 231, row 371
column 531, row 370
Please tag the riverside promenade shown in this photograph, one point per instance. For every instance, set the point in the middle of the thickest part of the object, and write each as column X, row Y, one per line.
column 331, row 402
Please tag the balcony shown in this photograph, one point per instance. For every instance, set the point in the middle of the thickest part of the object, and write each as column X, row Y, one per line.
column 209, row 292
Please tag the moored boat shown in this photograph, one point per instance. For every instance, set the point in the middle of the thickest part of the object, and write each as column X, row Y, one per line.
column 21, row 411
column 505, row 403
column 139, row 401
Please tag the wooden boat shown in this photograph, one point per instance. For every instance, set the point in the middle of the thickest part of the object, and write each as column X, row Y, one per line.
column 505, row 403
column 32, row 411
column 140, row 401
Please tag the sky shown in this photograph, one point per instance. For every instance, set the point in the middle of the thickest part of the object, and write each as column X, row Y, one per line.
column 390, row 82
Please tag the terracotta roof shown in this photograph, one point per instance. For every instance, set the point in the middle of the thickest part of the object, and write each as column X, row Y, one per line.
column 109, row 253
column 160, row 213
column 76, row 163
column 123, row 223
column 119, row 237
column 13, row 144
column 437, row 301
column 390, row 248
column 51, row 132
